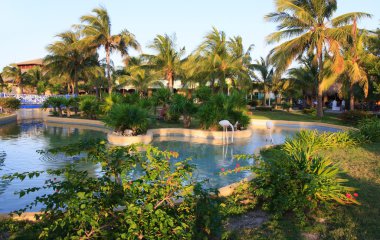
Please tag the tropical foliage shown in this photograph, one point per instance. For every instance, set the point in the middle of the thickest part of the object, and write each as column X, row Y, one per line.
column 72, row 59
column 167, row 60
column 299, row 180
column 97, row 31
column 19, row 78
column 123, row 117
column 161, row 201
column 183, row 106
column 9, row 104
column 312, row 29
column 220, row 107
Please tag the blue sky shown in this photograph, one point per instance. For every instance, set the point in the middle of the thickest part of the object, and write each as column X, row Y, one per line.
column 27, row 27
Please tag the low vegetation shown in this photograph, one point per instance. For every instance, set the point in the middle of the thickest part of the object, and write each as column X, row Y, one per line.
column 9, row 105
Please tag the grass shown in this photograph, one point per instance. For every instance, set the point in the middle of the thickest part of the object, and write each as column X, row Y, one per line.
column 297, row 116
column 362, row 167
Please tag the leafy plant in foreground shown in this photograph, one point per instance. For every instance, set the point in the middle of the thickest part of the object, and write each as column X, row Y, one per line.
column 296, row 179
column 138, row 195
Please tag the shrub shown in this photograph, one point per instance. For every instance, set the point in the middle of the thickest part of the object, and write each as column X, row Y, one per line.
column 203, row 94
column 160, row 202
column 109, row 100
column 310, row 111
column 370, row 129
column 220, row 107
column 132, row 98
column 286, row 106
column 354, row 117
column 182, row 106
column 122, row 117
column 90, row 106
column 57, row 103
column 161, row 97
column 253, row 103
column 297, row 179
column 264, row 108
column 10, row 104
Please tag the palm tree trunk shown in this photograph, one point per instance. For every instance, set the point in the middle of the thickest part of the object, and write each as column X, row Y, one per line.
column 170, row 79
column 319, row 88
column 352, row 98
column 265, row 98
column 76, row 91
column 108, row 62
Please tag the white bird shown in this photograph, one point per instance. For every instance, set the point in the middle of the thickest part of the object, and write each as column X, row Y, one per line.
column 225, row 124
column 269, row 125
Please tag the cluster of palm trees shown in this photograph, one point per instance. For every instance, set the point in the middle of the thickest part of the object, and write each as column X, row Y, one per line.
column 327, row 48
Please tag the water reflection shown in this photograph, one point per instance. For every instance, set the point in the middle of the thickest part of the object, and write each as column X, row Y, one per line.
column 18, row 147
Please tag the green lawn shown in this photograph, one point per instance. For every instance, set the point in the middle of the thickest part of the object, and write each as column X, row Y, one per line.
column 296, row 116
column 362, row 167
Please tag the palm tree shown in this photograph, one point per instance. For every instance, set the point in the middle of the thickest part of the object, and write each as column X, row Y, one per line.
column 97, row 29
column 167, row 60
column 240, row 62
column 38, row 79
column 19, row 78
column 264, row 75
column 72, row 59
column 313, row 30
column 303, row 79
column 213, row 58
column 354, row 69
column 140, row 77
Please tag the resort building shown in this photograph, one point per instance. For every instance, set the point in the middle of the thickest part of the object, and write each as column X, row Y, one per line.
column 25, row 66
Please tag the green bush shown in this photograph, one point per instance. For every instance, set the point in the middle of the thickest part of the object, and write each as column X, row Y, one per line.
column 203, row 94
column 370, row 129
column 132, row 98
column 161, row 97
column 10, row 104
column 57, row 103
column 220, row 107
column 109, row 100
column 310, row 111
column 253, row 103
column 286, row 106
column 122, row 117
column 264, row 108
column 160, row 202
column 90, row 106
column 354, row 117
column 182, row 106
column 294, row 178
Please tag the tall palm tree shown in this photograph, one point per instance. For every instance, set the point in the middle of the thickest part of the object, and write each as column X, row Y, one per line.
column 19, row 78
column 72, row 58
column 97, row 29
column 240, row 61
column 354, row 69
column 312, row 29
column 264, row 75
column 167, row 60
column 213, row 57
